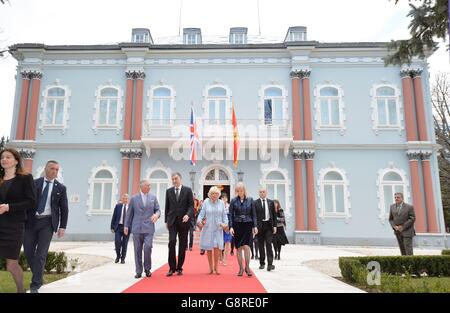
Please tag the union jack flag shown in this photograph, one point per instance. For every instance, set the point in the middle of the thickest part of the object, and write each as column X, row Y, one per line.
column 195, row 141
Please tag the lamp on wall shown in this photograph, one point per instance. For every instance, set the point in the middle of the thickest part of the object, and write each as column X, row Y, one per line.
column 240, row 175
column 192, row 177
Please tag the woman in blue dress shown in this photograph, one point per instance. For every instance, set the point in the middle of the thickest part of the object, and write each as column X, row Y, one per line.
column 212, row 220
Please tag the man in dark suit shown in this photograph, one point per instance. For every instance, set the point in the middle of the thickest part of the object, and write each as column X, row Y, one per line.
column 266, row 220
column 49, row 217
column 179, row 211
column 117, row 222
column 402, row 218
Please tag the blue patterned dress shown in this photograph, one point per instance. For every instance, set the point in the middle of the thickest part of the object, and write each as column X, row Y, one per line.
column 212, row 234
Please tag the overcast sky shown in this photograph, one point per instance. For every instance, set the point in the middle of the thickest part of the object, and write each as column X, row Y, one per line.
column 111, row 21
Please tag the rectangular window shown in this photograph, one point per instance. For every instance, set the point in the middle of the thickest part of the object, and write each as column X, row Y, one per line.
column 339, row 190
column 382, row 118
column 324, row 112
column 328, row 193
column 392, row 107
column 268, row 111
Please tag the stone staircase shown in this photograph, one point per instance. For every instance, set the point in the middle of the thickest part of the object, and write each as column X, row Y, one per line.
column 163, row 237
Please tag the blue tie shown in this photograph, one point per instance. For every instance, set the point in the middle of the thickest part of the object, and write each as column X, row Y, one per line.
column 43, row 199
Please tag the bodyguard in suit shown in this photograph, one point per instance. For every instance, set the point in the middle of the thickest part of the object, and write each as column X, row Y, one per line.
column 179, row 212
column 143, row 212
column 266, row 221
column 49, row 217
column 402, row 218
column 117, row 227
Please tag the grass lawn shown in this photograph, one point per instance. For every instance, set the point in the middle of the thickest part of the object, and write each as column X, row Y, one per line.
column 397, row 284
column 7, row 283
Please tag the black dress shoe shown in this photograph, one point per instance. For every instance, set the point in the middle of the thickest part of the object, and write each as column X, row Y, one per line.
column 179, row 272
column 169, row 273
column 138, row 275
column 117, row 260
column 34, row 290
column 122, row 262
column 148, row 273
column 261, row 267
column 270, row 267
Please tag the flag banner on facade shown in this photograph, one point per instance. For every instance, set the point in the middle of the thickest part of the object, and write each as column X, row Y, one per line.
column 194, row 137
column 235, row 137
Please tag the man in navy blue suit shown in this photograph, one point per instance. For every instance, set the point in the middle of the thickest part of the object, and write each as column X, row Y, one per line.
column 117, row 222
column 49, row 217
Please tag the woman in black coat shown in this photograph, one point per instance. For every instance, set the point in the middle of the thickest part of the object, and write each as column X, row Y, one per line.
column 17, row 195
column 280, row 238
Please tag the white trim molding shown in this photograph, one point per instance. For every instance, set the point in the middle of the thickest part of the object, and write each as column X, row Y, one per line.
column 384, row 212
column 66, row 98
column 115, row 126
column 321, row 194
column 227, row 98
column 172, row 111
column 266, row 169
column 114, row 194
column 285, row 105
column 398, row 126
column 206, row 169
column 317, row 110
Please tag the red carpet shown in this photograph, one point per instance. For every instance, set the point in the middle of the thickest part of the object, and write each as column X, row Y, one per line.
column 196, row 280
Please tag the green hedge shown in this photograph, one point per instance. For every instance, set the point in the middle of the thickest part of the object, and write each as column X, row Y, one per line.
column 56, row 261
column 432, row 265
column 446, row 252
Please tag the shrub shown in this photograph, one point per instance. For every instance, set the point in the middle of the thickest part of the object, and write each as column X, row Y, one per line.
column 55, row 261
column 446, row 252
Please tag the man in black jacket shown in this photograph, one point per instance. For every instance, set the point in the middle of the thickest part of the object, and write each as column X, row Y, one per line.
column 179, row 211
column 266, row 220
column 49, row 217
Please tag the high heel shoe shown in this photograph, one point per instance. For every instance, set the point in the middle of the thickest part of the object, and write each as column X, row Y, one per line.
column 241, row 272
column 248, row 272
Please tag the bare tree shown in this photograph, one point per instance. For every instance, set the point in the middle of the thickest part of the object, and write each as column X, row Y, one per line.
column 440, row 98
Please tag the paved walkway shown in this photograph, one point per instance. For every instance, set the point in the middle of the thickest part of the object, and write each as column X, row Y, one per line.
column 301, row 268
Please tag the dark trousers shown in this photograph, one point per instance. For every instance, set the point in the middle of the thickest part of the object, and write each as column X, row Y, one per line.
column 181, row 230
column 254, row 248
column 405, row 244
column 265, row 243
column 36, row 243
column 191, row 233
column 121, row 242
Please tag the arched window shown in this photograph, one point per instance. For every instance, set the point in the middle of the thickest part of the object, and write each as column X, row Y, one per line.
column 273, row 106
column 218, row 105
column 390, row 181
column 159, row 182
column 161, row 103
column 55, row 105
column 108, row 107
column 276, row 185
column 387, row 108
column 329, row 107
column 103, row 190
column 334, row 195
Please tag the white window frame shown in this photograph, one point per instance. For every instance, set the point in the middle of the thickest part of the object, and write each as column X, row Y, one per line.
column 43, row 116
column 323, row 214
column 383, row 215
column 159, row 167
column 92, row 180
column 172, row 109
column 297, row 36
column 227, row 99
column 238, row 38
column 266, row 169
column 96, row 117
column 284, row 102
column 317, row 115
column 399, row 109
column 189, row 36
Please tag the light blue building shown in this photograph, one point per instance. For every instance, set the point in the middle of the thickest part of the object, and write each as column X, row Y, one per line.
column 330, row 130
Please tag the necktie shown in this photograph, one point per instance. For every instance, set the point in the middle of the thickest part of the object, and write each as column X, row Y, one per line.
column 43, row 199
column 399, row 207
column 264, row 207
column 177, row 193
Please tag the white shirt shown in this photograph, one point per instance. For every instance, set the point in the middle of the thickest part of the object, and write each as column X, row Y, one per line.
column 179, row 190
column 48, row 208
column 265, row 205
column 122, row 213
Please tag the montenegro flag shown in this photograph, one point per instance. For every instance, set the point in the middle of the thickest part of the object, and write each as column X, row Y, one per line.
column 235, row 138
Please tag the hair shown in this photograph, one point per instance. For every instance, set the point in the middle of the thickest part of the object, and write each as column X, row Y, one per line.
column 143, row 181
column 275, row 201
column 176, row 174
column 51, row 162
column 239, row 186
column 212, row 190
column 19, row 166
column 262, row 187
column 399, row 193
